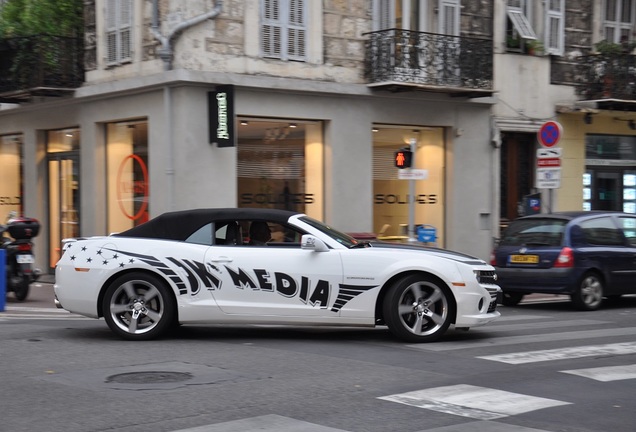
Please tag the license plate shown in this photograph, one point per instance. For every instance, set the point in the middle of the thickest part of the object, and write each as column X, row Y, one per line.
column 524, row 259
column 24, row 259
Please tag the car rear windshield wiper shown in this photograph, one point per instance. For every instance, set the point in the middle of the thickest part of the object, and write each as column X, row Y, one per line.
column 538, row 244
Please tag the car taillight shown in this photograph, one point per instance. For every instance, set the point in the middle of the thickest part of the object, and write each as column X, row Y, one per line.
column 493, row 258
column 565, row 258
column 24, row 247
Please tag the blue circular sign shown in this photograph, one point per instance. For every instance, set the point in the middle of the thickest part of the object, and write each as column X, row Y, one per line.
column 550, row 133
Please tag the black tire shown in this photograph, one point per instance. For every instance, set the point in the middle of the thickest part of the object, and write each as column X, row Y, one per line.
column 139, row 306
column 588, row 295
column 418, row 308
column 511, row 298
column 21, row 291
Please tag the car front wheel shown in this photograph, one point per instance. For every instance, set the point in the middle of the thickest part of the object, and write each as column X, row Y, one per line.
column 418, row 309
column 138, row 306
column 589, row 294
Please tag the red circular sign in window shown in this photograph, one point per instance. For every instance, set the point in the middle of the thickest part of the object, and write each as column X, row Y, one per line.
column 133, row 188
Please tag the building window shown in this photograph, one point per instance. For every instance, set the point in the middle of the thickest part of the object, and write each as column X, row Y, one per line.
column 518, row 25
column 10, row 175
column 618, row 20
column 127, row 174
column 391, row 194
column 280, row 165
column 284, row 29
column 554, row 29
column 118, row 31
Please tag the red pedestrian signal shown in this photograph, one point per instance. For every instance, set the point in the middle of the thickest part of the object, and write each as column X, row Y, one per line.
column 403, row 158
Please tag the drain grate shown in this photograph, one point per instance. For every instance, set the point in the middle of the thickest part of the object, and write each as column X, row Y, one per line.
column 156, row 377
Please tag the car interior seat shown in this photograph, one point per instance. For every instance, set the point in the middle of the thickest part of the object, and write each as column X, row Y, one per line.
column 233, row 234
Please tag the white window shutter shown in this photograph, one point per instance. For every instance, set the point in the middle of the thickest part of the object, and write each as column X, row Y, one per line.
column 554, row 27
column 297, row 30
column 271, row 34
column 284, row 29
column 125, row 26
column 449, row 17
column 111, row 31
column 383, row 14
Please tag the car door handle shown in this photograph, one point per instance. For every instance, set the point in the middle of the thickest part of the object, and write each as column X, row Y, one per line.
column 221, row 259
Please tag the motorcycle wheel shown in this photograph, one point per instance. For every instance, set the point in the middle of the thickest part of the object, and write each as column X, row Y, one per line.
column 22, row 289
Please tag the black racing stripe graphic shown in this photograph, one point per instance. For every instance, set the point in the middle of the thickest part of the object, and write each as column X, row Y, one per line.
column 348, row 292
column 158, row 265
column 148, row 259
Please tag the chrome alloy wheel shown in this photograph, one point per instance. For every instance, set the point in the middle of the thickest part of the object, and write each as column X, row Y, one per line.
column 136, row 306
column 590, row 293
column 423, row 308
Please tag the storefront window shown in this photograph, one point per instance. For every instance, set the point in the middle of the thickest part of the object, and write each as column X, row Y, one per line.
column 127, row 174
column 609, row 182
column 10, row 175
column 64, row 188
column 391, row 194
column 280, row 165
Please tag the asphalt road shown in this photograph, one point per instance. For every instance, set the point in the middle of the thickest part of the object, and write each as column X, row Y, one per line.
column 542, row 367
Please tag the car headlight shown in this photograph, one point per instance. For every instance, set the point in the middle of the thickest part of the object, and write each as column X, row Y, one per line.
column 486, row 277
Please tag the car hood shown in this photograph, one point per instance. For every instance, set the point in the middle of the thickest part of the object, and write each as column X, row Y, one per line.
column 442, row 253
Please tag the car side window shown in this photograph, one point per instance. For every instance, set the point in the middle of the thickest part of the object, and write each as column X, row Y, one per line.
column 202, row 236
column 629, row 229
column 228, row 233
column 268, row 233
column 602, row 232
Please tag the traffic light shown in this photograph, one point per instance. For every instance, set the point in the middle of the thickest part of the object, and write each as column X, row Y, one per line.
column 403, row 158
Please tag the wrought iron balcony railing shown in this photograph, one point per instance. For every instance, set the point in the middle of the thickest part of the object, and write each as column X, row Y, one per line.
column 607, row 76
column 434, row 61
column 39, row 65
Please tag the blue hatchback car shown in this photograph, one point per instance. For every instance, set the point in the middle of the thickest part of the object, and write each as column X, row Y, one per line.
column 588, row 255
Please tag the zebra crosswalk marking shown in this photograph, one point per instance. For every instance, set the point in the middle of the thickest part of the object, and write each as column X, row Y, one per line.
column 564, row 353
column 519, row 340
column 472, row 401
column 605, row 374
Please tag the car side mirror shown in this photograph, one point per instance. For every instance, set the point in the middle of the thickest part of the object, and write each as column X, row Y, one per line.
column 309, row 242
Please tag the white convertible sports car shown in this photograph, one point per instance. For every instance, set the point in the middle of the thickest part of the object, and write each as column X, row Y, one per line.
column 263, row 266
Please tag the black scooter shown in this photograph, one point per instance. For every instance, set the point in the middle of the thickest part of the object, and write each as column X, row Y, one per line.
column 20, row 270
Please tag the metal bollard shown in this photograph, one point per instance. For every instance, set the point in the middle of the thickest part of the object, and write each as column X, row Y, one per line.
column 3, row 280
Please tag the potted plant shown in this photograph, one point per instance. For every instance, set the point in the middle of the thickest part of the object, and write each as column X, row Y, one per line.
column 534, row 47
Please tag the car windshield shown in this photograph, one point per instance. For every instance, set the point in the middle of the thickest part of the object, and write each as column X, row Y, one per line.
column 338, row 236
column 534, row 232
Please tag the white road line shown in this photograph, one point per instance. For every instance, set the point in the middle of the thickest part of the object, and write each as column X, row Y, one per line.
column 605, row 374
column 517, row 340
column 35, row 309
column 472, row 401
column 543, row 324
column 564, row 353
column 520, row 317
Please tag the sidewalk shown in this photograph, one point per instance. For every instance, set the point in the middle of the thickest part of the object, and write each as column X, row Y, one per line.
column 47, row 278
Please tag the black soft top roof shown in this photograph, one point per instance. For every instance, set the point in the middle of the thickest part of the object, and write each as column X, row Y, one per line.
column 179, row 225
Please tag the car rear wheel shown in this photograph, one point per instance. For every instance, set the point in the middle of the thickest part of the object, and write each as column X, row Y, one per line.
column 418, row 309
column 138, row 306
column 589, row 294
column 511, row 298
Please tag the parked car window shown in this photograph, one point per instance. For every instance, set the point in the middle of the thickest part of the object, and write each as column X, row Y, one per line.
column 629, row 229
column 534, row 232
column 602, row 231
